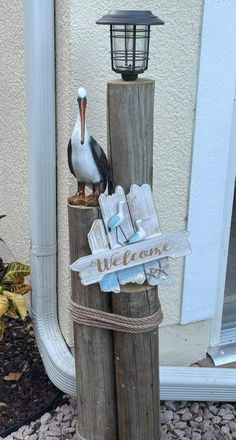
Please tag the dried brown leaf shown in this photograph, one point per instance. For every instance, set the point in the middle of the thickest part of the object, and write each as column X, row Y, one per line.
column 13, row 376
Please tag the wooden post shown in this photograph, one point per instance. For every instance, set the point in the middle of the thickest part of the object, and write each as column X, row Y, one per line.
column 130, row 149
column 93, row 346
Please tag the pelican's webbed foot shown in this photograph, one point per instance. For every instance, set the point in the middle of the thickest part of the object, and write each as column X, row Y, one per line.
column 79, row 197
column 92, row 199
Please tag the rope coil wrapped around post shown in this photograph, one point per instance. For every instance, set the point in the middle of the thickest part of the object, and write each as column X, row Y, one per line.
column 98, row 318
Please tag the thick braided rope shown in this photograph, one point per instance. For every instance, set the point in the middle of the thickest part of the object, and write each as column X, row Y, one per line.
column 98, row 318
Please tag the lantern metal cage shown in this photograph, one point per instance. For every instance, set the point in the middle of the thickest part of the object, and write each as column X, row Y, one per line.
column 130, row 39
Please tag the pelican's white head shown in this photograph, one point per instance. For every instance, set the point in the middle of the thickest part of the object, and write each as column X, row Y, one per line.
column 82, row 93
column 82, row 102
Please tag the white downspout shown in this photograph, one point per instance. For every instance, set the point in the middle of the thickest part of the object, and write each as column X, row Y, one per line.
column 40, row 84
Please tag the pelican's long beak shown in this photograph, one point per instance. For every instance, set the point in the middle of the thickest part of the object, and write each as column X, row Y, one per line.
column 82, row 109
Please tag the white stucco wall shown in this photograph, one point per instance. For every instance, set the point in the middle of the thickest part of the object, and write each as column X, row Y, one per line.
column 83, row 59
column 13, row 158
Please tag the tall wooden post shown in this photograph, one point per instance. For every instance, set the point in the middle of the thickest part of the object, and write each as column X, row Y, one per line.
column 130, row 148
column 93, row 346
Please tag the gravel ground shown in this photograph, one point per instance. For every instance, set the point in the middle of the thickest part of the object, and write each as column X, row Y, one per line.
column 187, row 420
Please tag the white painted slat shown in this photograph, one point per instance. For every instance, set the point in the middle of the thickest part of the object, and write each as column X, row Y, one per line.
column 117, row 238
column 141, row 206
column 98, row 242
column 92, row 268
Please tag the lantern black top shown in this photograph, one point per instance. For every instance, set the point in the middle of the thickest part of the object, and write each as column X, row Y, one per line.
column 130, row 17
column 130, row 37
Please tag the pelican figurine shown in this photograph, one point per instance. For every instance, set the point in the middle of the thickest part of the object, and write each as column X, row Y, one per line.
column 139, row 235
column 86, row 159
column 118, row 218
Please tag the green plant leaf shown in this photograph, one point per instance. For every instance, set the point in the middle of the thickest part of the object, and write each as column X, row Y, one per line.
column 21, row 289
column 11, row 312
column 18, row 302
column 15, row 273
column 4, row 304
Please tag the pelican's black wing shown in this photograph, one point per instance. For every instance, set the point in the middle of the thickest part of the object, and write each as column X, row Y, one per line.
column 69, row 157
column 101, row 161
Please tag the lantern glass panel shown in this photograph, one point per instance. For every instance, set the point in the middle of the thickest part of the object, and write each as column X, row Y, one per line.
column 130, row 48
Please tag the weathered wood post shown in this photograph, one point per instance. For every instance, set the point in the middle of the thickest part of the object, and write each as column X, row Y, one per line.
column 95, row 374
column 130, row 150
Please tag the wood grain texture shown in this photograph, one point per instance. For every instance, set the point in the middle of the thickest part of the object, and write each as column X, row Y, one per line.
column 93, row 347
column 130, row 131
column 137, row 378
column 130, row 150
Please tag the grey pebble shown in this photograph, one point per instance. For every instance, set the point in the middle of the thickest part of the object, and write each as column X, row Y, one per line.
column 207, row 414
column 193, row 424
column 66, row 409
column 227, row 436
column 168, row 416
column 67, row 417
column 54, row 431
column 222, row 412
column 187, row 415
column 28, row 431
column 176, row 417
column 214, row 410
column 43, row 428
column 232, row 426
column 196, row 436
column 181, row 411
column 205, row 425
column 194, row 408
column 33, row 437
column 208, row 435
column 45, row 418
column 216, row 420
column 179, row 433
column 225, row 429
column 229, row 416
column 219, row 436
column 180, row 425
column 18, row 435
column 52, row 438
column 169, row 404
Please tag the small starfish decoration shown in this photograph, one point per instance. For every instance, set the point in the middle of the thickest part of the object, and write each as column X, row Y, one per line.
column 156, row 272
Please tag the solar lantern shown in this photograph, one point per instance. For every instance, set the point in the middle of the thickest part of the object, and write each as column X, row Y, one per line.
column 130, row 39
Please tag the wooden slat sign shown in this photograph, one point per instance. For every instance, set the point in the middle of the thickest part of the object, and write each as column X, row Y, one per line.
column 127, row 244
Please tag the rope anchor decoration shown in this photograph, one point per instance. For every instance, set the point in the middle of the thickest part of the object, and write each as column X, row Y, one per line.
column 127, row 244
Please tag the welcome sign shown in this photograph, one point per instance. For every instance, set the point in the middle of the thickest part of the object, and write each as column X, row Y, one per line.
column 93, row 268
column 113, row 262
